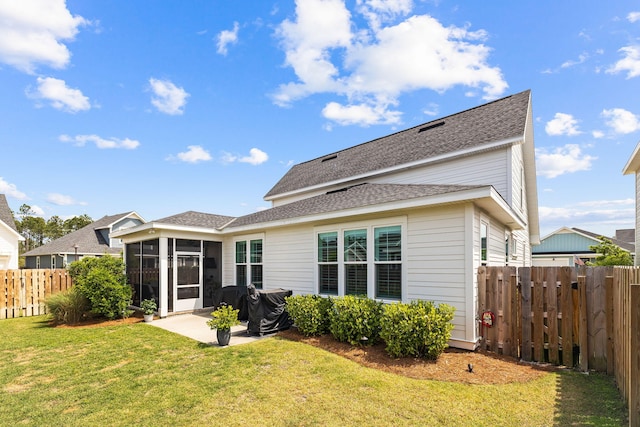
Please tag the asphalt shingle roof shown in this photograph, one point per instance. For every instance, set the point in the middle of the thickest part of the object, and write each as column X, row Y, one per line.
column 196, row 219
column 351, row 197
column 5, row 213
column 499, row 120
column 624, row 245
column 88, row 239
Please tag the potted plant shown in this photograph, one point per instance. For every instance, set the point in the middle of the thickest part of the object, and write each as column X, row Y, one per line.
column 223, row 318
column 148, row 307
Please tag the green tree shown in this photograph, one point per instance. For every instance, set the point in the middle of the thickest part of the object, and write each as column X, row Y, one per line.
column 610, row 253
column 55, row 228
column 76, row 223
column 31, row 227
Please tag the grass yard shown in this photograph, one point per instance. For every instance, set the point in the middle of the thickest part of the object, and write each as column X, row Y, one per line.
column 138, row 374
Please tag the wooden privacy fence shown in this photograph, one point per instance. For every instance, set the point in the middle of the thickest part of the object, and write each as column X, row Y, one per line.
column 22, row 292
column 584, row 316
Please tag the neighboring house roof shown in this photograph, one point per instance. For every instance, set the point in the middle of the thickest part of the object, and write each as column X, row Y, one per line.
column 633, row 164
column 6, row 217
column 573, row 241
column 88, row 239
column 624, row 245
column 627, row 235
column 501, row 121
column 357, row 196
column 196, row 219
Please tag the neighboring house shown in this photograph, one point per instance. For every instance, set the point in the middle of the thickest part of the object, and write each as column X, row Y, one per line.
column 633, row 167
column 408, row 216
column 92, row 240
column 9, row 237
column 571, row 246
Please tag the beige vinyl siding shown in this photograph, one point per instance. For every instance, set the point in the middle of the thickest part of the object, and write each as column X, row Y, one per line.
column 290, row 259
column 436, row 261
column 489, row 168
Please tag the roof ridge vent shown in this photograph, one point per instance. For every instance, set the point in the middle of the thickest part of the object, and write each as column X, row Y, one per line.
column 431, row 126
column 329, row 157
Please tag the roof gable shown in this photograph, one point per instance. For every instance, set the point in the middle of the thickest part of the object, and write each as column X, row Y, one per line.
column 6, row 216
column 500, row 120
column 88, row 239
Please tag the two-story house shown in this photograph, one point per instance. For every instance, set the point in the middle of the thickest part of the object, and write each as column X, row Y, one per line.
column 9, row 237
column 408, row 216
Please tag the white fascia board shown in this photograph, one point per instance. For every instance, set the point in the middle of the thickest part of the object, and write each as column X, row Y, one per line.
column 151, row 228
column 486, row 197
column 633, row 164
column 422, row 162
column 12, row 231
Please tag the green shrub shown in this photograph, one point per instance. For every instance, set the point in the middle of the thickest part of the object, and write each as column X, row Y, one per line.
column 353, row 318
column 68, row 306
column 103, row 282
column 419, row 329
column 310, row 313
column 223, row 318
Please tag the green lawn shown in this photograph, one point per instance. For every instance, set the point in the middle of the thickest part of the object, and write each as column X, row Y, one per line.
column 141, row 375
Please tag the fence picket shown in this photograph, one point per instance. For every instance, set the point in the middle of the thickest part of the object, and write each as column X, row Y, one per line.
column 566, row 311
column 552, row 315
column 22, row 292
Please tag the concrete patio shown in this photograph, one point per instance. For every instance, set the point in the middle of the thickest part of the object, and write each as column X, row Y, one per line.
column 194, row 326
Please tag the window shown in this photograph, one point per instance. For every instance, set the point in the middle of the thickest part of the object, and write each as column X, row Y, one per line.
column 507, row 242
column 388, row 265
column 328, row 263
column 355, row 262
column 483, row 243
column 37, row 262
column 53, row 261
column 256, row 263
column 249, row 270
column 241, row 263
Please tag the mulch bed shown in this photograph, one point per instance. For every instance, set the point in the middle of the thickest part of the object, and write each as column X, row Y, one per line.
column 452, row 365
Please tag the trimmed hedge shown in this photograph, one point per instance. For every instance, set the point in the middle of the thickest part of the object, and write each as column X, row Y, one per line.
column 310, row 313
column 418, row 329
column 353, row 318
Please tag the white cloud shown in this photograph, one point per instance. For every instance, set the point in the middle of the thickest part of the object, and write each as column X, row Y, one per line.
column 570, row 63
column 62, row 200
column 255, row 157
column 194, row 154
column 597, row 134
column 226, row 37
column 33, row 32
column 60, row 96
column 11, row 190
column 598, row 216
column 561, row 160
column 562, row 124
column 167, row 97
column 328, row 57
column 102, row 143
column 361, row 114
column 633, row 17
column 38, row 211
column 621, row 120
column 629, row 64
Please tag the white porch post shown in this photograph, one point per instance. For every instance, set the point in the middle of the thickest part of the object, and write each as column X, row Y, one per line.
column 164, row 276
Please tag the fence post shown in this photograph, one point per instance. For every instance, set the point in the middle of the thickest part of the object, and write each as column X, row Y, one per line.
column 634, row 354
column 583, row 331
column 525, row 292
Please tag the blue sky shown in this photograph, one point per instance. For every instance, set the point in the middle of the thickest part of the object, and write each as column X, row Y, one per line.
column 164, row 107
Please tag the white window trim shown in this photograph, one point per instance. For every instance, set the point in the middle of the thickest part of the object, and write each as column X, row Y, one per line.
column 247, row 239
column 369, row 226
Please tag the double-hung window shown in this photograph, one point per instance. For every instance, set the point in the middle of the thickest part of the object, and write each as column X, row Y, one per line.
column 328, row 263
column 365, row 260
column 355, row 262
column 249, row 263
column 388, row 262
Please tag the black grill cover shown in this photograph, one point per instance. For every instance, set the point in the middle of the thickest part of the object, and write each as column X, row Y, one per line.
column 267, row 311
column 235, row 296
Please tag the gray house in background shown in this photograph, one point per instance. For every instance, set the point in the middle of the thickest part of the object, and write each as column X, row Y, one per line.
column 9, row 237
column 93, row 240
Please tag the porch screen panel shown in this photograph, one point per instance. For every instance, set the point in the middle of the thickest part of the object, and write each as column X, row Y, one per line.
column 388, row 262
column 133, row 270
column 151, row 270
column 328, row 263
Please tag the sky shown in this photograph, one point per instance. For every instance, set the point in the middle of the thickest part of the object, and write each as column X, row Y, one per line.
column 164, row 107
